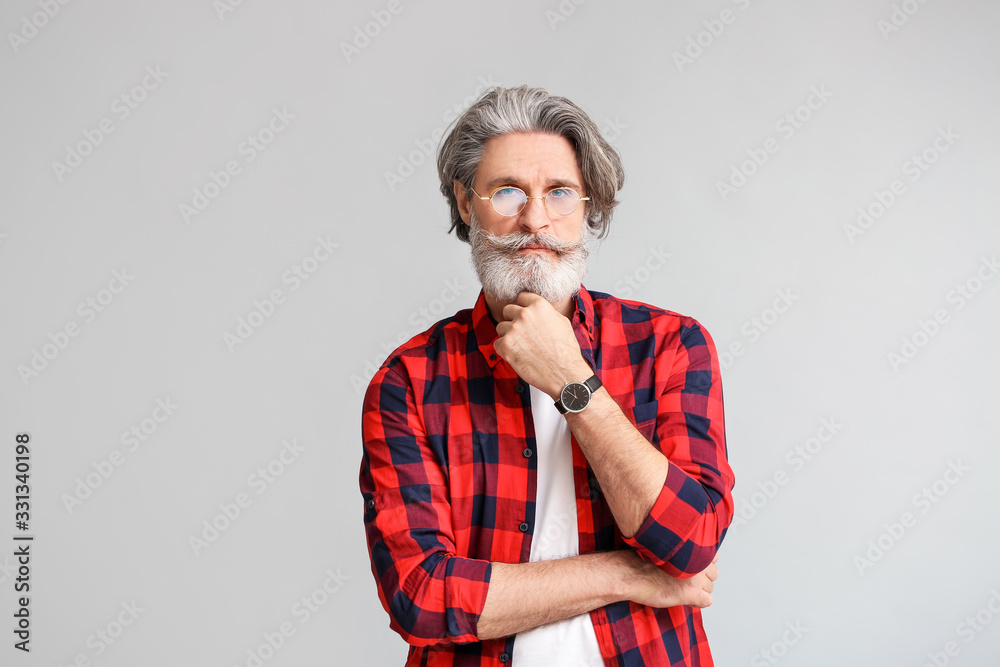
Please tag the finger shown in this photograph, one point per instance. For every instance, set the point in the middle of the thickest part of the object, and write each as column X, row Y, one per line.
column 527, row 298
column 504, row 327
column 510, row 311
column 716, row 557
column 712, row 572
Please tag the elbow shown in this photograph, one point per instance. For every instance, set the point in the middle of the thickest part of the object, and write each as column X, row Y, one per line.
column 690, row 560
column 700, row 549
column 425, row 627
column 682, row 551
column 417, row 627
column 681, row 562
column 440, row 602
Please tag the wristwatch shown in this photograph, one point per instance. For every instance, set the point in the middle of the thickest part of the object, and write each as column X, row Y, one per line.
column 575, row 396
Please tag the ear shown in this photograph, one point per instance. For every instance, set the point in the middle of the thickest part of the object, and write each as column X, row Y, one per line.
column 463, row 201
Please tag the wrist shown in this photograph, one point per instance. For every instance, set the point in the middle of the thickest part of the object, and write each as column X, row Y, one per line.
column 577, row 372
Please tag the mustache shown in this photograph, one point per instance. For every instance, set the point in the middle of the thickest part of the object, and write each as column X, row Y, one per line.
column 509, row 243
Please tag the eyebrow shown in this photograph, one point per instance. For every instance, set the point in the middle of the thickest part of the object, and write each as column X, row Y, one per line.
column 510, row 180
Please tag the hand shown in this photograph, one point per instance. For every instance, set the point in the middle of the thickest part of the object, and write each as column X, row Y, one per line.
column 539, row 344
column 651, row 586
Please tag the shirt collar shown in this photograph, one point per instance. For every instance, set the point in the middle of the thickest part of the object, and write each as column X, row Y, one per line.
column 485, row 327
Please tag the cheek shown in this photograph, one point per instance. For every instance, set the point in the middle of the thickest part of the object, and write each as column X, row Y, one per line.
column 573, row 232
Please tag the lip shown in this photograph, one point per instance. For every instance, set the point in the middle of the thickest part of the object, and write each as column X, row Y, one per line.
column 534, row 248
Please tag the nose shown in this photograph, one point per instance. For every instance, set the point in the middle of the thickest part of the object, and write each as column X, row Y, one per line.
column 534, row 217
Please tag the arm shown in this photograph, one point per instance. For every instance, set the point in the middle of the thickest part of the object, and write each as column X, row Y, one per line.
column 432, row 595
column 629, row 469
column 669, row 493
column 435, row 596
column 526, row 595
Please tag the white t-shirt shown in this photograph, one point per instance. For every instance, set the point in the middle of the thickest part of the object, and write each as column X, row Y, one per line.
column 571, row 642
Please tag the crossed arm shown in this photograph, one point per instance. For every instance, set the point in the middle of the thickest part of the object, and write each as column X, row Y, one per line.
column 660, row 505
column 540, row 345
column 524, row 596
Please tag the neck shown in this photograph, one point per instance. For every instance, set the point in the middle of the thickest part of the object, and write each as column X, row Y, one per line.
column 495, row 306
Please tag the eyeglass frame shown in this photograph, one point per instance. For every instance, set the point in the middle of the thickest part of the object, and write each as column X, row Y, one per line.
column 528, row 197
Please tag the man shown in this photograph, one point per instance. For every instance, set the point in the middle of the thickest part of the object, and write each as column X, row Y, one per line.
column 545, row 476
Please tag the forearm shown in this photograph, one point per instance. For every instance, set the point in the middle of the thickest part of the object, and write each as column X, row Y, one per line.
column 523, row 596
column 630, row 470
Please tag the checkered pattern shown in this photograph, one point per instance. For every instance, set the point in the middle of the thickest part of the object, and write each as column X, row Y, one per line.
column 448, row 489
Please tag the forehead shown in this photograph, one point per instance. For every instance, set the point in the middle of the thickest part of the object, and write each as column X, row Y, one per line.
column 529, row 159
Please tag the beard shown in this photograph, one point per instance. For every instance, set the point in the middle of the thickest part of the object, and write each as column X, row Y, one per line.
column 504, row 272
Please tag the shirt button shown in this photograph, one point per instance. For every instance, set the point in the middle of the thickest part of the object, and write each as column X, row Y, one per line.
column 519, row 388
column 527, row 452
column 504, row 657
column 493, row 357
column 370, row 504
column 523, row 527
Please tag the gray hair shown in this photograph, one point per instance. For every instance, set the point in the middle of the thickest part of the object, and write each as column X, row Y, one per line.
column 512, row 110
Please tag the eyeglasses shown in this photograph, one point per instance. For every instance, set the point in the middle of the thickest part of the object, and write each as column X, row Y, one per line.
column 508, row 200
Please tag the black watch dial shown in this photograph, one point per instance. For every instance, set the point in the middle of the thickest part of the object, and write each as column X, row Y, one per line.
column 575, row 396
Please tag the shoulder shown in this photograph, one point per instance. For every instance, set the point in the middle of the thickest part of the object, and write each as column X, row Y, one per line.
column 643, row 317
column 432, row 347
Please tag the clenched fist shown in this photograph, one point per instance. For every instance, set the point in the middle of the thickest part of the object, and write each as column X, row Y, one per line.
column 649, row 585
column 539, row 344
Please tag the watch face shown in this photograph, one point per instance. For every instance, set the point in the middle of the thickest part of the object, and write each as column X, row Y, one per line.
column 575, row 396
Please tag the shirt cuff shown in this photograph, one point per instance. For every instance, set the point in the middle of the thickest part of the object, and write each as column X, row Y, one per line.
column 667, row 538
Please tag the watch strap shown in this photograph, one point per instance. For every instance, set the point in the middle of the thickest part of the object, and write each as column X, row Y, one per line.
column 593, row 383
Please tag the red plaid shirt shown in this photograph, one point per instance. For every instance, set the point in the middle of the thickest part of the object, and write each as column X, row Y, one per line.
column 448, row 478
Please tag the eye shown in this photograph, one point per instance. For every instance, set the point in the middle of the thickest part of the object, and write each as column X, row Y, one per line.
column 507, row 193
column 560, row 193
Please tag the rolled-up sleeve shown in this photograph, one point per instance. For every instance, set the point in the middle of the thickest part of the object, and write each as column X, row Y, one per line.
column 432, row 595
column 689, row 518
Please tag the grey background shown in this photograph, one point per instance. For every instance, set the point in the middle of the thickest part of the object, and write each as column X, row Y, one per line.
column 680, row 129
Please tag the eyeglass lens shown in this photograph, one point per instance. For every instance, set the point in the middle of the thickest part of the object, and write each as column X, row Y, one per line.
column 558, row 201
